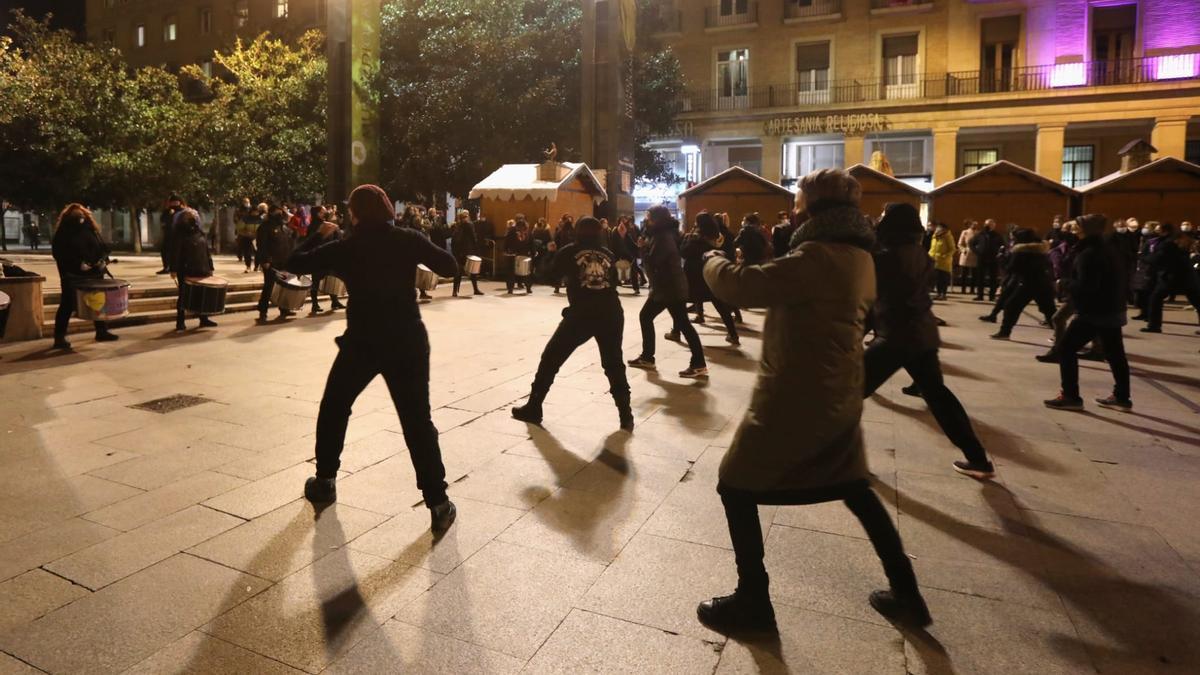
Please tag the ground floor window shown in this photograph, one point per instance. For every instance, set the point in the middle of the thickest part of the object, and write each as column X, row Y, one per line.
column 801, row 159
column 1078, row 163
column 1192, row 151
column 976, row 159
column 909, row 157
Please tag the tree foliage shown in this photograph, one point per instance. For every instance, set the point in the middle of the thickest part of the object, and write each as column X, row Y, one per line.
column 468, row 85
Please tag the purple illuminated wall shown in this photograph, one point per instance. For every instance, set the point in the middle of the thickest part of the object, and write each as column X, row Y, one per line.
column 1170, row 24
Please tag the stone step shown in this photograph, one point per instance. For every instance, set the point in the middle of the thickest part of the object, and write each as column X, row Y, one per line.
column 143, row 318
column 156, row 303
column 53, row 297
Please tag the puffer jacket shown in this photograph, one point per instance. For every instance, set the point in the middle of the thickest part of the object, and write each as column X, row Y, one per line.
column 941, row 250
column 692, row 251
column 1029, row 265
column 274, row 241
column 663, row 264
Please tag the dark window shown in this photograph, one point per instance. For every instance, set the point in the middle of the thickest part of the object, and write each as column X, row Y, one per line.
column 974, row 160
column 1192, row 151
column 812, row 66
column 998, row 49
column 1078, row 163
column 1113, row 30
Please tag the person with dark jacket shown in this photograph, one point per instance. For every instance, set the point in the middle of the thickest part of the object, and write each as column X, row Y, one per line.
column 801, row 441
column 80, row 255
column 781, row 234
column 907, row 333
column 593, row 312
column 668, row 292
column 1029, row 267
column 166, row 221
column 564, row 234
column 752, row 242
column 986, row 246
column 705, row 237
column 191, row 257
column 1173, row 273
column 518, row 244
column 464, row 243
column 320, row 216
column 274, row 244
column 1097, row 290
column 384, row 336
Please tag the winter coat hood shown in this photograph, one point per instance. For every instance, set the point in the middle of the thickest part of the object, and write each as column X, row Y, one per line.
column 837, row 225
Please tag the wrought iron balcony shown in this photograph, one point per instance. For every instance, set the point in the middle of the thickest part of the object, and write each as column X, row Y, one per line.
column 810, row 9
column 894, row 4
column 730, row 13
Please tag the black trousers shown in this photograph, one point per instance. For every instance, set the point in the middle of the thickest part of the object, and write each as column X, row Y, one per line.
column 405, row 368
column 66, row 307
column 576, row 328
column 680, row 324
column 1021, row 296
column 246, row 250
column 985, row 276
column 315, row 291
column 515, row 281
column 942, row 278
column 264, row 298
column 635, row 276
column 745, row 532
column 1078, row 334
column 884, row 357
column 458, row 280
column 1160, row 294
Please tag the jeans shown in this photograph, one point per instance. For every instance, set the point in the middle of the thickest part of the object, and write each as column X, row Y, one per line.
column 678, row 312
column 745, row 532
column 1078, row 334
column 577, row 327
column 883, row 358
column 1021, row 296
column 985, row 277
column 66, row 307
column 405, row 368
column 1159, row 296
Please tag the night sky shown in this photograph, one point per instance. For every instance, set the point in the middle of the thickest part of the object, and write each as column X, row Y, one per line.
column 67, row 13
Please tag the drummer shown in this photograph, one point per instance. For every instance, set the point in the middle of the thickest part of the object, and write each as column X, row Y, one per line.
column 464, row 244
column 517, row 245
column 384, row 336
column 274, row 243
column 320, row 216
column 191, row 257
column 80, row 255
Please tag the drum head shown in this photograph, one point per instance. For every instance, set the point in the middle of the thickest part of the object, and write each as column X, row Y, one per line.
column 213, row 282
column 423, row 268
column 474, row 258
column 102, row 284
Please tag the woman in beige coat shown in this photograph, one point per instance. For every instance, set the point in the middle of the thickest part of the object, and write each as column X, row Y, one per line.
column 801, row 441
column 967, row 260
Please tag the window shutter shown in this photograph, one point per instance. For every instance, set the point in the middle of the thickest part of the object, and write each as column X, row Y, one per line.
column 813, row 56
column 900, row 45
column 1001, row 30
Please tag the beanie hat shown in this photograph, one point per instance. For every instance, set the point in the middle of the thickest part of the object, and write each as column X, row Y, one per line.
column 370, row 204
column 901, row 224
column 829, row 188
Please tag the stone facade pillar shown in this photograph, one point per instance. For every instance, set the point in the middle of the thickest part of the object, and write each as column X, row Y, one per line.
column 772, row 158
column 1049, row 152
column 853, row 149
column 1170, row 136
column 945, row 155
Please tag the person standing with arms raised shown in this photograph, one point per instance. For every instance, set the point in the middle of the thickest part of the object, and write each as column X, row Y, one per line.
column 384, row 336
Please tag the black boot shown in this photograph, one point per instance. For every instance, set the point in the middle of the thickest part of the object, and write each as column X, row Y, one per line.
column 61, row 343
column 206, row 322
column 530, row 412
column 737, row 613
column 320, row 490
column 908, row 609
column 626, row 416
column 442, row 516
column 105, row 336
column 336, row 305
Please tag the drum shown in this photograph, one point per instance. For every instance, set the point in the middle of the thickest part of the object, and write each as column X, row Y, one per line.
column 204, row 295
column 624, row 269
column 290, row 291
column 523, row 265
column 101, row 299
column 331, row 285
column 473, row 265
column 5, row 306
column 426, row 279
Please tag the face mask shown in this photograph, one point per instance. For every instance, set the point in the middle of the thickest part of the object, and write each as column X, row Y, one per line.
column 1058, row 226
column 1187, row 228
column 1121, row 230
column 1146, row 232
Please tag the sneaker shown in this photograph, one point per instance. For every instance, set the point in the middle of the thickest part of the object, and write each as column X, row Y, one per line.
column 1139, row 317
column 736, row 613
column 911, row 390
column 1001, row 335
column 180, row 327
column 107, row 337
column 315, row 309
column 206, row 322
column 642, row 362
column 61, row 344
column 336, row 306
column 673, row 336
column 1114, row 403
column 988, row 318
column 699, row 319
column 320, row 490
column 1092, row 356
column 694, row 372
column 733, row 339
column 528, row 413
column 909, row 611
column 980, row 471
column 1150, row 329
column 1048, row 357
column 163, row 271
column 477, row 293
column 442, row 516
column 1063, row 402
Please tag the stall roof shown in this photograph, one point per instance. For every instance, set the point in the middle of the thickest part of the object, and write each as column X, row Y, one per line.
column 891, row 180
column 518, row 181
column 1003, row 166
column 733, row 172
column 1160, row 163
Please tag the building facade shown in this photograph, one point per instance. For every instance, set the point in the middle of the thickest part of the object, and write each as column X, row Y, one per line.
column 941, row 87
column 175, row 33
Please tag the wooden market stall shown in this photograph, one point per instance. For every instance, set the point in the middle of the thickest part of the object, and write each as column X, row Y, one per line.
column 879, row 189
column 1005, row 192
column 1166, row 190
column 737, row 192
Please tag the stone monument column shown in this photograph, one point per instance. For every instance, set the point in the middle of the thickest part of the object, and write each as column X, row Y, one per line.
column 353, row 132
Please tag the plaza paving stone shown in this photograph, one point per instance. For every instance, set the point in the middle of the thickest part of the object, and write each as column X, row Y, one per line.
column 149, row 543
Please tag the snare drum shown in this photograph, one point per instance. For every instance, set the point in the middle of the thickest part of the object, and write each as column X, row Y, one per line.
column 102, row 299
column 331, row 285
column 426, row 279
column 624, row 268
column 290, row 291
column 523, row 265
column 5, row 306
column 473, row 265
column 204, row 296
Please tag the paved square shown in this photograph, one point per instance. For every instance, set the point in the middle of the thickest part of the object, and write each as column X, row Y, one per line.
column 151, row 542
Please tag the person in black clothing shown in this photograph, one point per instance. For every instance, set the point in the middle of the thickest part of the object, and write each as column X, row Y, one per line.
column 564, row 234
column 321, row 216
column 705, row 237
column 1097, row 289
column 35, row 236
column 907, row 333
column 274, row 242
column 1173, row 274
column 517, row 244
column 623, row 244
column 752, row 241
column 986, row 246
column 79, row 254
column 384, row 336
column 190, row 257
column 593, row 312
column 1029, row 268
column 166, row 221
column 668, row 292
column 781, row 234
column 464, row 244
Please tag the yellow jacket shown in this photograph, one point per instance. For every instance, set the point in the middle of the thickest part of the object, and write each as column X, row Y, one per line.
column 942, row 249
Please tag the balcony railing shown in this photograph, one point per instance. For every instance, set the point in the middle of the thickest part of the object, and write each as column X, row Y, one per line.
column 805, row 9
column 1150, row 69
column 892, row 4
column 728, row 13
